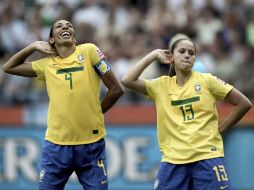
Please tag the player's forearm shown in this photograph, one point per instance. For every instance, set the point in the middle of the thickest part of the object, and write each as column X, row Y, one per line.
column 18, row 58
column 235, row 116
column 134, row 73
column 110, row 98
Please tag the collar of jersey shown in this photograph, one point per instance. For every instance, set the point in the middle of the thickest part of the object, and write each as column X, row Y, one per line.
column 187, row 83
column 70, row 59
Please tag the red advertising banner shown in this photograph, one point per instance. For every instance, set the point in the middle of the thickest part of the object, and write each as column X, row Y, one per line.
column 119, row 114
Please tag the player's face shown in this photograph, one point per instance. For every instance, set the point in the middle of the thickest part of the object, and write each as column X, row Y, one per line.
column 63, row 33
column 184, row 55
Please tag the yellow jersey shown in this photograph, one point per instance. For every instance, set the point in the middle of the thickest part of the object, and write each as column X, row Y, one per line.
column 187, row 118
column 73, row 85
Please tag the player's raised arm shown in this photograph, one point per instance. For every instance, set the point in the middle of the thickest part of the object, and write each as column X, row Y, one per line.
column 131, row 79
column 16, row 65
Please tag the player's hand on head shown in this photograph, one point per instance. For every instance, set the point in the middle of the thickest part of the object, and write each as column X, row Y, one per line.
column 44, row 47
column 164, row 56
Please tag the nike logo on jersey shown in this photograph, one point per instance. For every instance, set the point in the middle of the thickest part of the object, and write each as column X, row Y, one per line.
column 103, row 182
column 223, row 187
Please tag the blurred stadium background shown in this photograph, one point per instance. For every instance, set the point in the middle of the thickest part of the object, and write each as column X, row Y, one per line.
column 125, row 30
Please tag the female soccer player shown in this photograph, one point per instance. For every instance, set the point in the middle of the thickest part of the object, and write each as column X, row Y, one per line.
column 74, row 138
column 187, row 122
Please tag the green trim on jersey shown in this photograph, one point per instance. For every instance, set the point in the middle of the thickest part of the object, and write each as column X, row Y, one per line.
column 187, row 119
column 69, row 70
column 73, row 86
column 185, row 101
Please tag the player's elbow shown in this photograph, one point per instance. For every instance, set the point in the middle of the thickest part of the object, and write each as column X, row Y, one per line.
column 244, row 105
column 117, row 91
column 125, row 82
column 120, row 91
column 247, row 105
column 5, row 68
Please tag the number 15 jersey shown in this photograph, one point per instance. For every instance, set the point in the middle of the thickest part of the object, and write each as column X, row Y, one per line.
column 187, row 119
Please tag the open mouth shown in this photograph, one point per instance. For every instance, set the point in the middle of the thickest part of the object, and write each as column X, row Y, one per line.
column 65, row 34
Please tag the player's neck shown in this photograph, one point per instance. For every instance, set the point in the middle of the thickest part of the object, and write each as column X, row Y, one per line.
column 65, row 51
column 182, row 78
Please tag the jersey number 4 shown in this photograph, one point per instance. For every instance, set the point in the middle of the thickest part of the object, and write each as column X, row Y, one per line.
column 68, row 76
column 68, row 73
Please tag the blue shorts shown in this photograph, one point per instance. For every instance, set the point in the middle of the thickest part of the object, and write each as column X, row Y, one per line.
column 88, row 161
column 201, row 175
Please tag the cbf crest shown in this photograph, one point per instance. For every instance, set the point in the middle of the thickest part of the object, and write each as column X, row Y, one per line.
column 81, row 58
column 197, row 88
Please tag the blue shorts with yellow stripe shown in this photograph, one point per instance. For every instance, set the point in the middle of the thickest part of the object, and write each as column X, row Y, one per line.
column 88, row 161
column 207, row 174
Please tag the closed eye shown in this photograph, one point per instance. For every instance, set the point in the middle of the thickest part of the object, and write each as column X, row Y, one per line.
column 69, row 25
column 182, row 51
column 190, row 52
column 61, row 25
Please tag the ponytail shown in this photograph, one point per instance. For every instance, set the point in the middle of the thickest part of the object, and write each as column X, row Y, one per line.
column 172, row 71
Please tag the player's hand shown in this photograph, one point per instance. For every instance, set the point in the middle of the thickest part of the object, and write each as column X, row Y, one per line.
column 164, row 56
column 44, row 47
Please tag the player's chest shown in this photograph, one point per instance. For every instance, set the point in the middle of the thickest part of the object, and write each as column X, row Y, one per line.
column 195, row 94
column 66, row 74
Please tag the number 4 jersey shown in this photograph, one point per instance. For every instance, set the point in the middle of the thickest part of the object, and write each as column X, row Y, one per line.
column 187, row 119
column 73, row 85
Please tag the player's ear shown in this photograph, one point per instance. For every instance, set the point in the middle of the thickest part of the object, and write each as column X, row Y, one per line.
column 51, row 41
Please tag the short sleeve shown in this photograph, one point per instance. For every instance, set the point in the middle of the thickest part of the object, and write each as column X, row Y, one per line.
column 39, row 68
column 98, row 60
column 96, row 55
column 218, row 87
column 152, row 86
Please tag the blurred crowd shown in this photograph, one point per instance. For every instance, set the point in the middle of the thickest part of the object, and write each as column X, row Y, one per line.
column 126, row 30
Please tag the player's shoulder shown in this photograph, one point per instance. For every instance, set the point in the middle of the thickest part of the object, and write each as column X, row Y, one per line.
column 87, row 46
column 163, row 78
column 91, row 49
column 199, row 74
column 202, row 76
column 43, row 60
